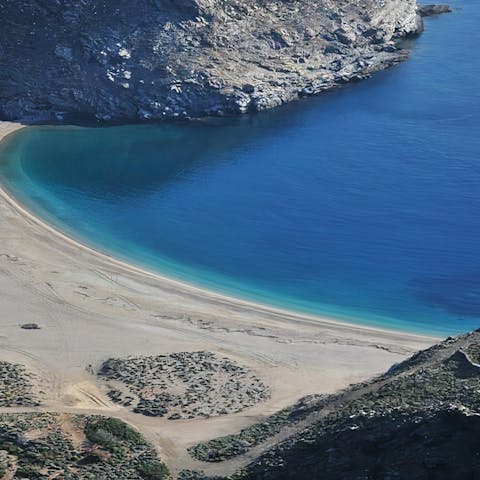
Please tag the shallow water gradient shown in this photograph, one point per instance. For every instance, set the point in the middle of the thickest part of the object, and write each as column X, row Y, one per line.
column 362, row 204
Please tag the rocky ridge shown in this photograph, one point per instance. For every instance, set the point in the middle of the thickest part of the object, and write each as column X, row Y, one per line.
column 116, row 60
column 416, row 421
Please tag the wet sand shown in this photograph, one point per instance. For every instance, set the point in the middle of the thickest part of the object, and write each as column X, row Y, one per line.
column 91, row 307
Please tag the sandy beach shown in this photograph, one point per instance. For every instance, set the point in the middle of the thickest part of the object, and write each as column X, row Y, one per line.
column 91, row 307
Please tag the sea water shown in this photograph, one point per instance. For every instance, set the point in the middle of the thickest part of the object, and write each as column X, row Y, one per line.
column 362, row 204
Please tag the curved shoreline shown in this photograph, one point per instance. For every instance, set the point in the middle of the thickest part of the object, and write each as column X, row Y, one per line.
column 91, row 307
column 185, row 287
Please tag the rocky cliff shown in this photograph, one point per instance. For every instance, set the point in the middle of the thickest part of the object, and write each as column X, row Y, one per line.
column 419, row 420
column 148, row 59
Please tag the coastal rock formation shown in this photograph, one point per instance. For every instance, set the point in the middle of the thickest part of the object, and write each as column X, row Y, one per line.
column 419, row 420
column 151, row 59
column 182, row 385
column 433, row 9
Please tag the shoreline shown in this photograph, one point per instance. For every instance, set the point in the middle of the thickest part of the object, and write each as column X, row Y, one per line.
column 185, row 286
column 91, row 307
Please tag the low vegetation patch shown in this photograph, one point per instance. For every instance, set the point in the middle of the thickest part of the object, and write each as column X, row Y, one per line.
column 46, row 446
column 223, row 448
column 111, row 432
column 16, row 386
column 183, row 385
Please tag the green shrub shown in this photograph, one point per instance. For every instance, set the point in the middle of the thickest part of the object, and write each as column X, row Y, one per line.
column 153, row 470
column 110, row 432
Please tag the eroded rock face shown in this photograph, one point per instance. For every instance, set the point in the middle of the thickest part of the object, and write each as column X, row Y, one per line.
column 123, row 60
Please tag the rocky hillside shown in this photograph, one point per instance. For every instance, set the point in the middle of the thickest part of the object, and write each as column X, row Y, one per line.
column 418, row 421
column 122, row 60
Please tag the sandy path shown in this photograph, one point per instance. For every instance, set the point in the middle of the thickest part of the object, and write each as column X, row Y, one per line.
column 91, row 307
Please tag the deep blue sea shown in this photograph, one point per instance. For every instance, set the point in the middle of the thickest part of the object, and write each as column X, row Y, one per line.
column 362, row 204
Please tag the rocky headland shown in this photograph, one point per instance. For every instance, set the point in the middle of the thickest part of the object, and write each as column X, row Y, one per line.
column 154, row 59
column 416, row 421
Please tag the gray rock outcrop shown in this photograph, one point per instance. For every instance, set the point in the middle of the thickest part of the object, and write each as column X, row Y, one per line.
column 419, row 420
column 433, row 9
column 121, row 60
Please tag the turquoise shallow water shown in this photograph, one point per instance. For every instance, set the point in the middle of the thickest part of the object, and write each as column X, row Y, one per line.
column 361, row 204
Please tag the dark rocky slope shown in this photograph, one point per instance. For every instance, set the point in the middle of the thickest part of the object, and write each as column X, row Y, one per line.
column 150, row 59
column 420, row 420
